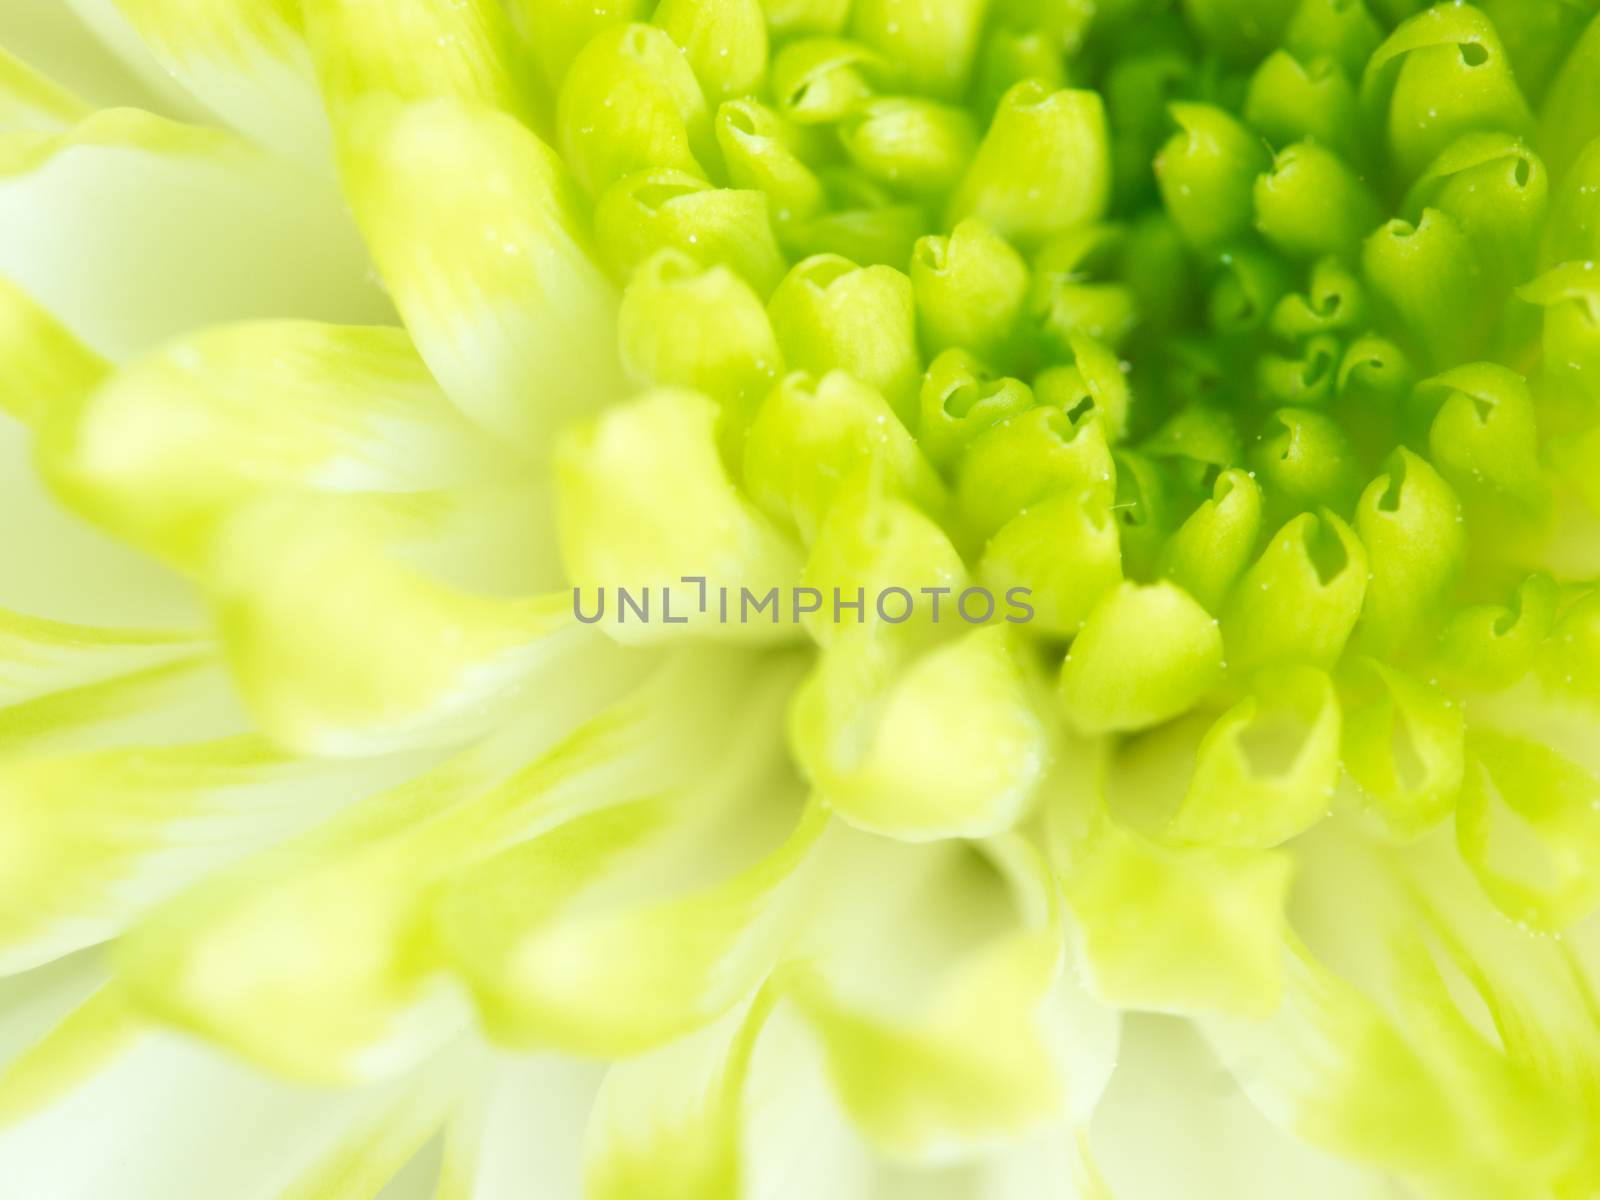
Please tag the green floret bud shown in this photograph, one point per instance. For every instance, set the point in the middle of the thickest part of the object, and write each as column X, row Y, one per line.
column 1266, row 770
column 1484, row 437
column 1304, row 459
column 1491, row 646
column 1441, row 74
column 1570, row 297
column 1024, row 459
column 960, row 399
column 810, row 436
column 933, row 42
column 1065, row 551
column 759, row 148
column 1209, row 550
column 1311, row 204
column 1009, row 55
column 1404, row 743
column 1300, row 600
column 1411, row 524
column 1145, row 655
column 1043, row 167
column 830, row 314
column 1334, row 300
column 1427, row 278
column 1292, row 101
column 1497, row 191
column 664, row 209
column 817, row 81
column 561, row 28
column 909, row 144
column 971, row 289
column 1206, row 173
column 1345, row 32
column 702, row 329
column 725, row 42
column 1069, row 297
column 630, row 102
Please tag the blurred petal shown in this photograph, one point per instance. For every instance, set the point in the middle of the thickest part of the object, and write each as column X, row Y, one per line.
column 69, row 44
column 667, row 1124
column 244, row 60
column 1214, row 1144
column 474, row 226
column 524, row 1127
column 29, row 100
column 165, row 448
column 939, row 1028
column 139, row 228
column 171, row 1120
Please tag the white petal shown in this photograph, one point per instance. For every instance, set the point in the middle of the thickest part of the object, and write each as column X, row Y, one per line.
column 475, row 226
column 33, row 1004
column 131, row 229
column 243, row 61
column 1174, row 1123
column 522, row 1133
column 29, row 100
column 59, row 566
column 89, row 842
column 55, row 41
column 796, row 1142
column 169, row 1119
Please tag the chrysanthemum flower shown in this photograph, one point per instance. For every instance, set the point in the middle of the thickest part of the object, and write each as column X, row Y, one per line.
column 1159, row 440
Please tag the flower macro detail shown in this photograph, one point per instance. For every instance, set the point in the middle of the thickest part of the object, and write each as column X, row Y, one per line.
column 760, row 599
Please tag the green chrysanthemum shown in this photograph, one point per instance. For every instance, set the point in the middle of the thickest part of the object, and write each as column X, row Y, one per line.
column 1160, row 442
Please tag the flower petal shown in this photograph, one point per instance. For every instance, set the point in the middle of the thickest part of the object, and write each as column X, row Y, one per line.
column 342, row 645
column 370, row 991
column 173, row 1120
column 938, row 1040
column 140, row 228
column 168, row 446
column 29, row 100
column 474, row 226
column 646, row 504
column 667, row 1124
column 637, row 924
column 525, row 1123
column 98, row 838
column 244, row 60
column 59, row 41
column 1214, row 1144
column 412, row 49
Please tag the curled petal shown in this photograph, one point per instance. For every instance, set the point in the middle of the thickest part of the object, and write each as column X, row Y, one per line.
column 1310, row 203
column 949, row 744
column 1144, row 655
column 830, row 314
column 725, row 42
column 1266, row 770
column 810, row 439
column 1043, row 167
column 1405, row 746
column 1206, row 173
column 1300, row 600
column 1442, row 73
column 473, row 225
column 631, row 102
column 645, row 502
column 960, row 399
